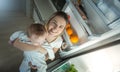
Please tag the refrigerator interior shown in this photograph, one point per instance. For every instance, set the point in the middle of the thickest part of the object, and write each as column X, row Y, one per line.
column 89, row 29
column 86, row 29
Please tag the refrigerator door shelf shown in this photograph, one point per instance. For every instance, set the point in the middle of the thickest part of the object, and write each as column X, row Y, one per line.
column 63, row 68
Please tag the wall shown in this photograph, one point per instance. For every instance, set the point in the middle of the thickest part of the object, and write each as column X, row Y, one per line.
column 12, row 5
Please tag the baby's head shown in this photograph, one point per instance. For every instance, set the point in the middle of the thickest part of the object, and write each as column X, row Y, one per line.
column 37, row 33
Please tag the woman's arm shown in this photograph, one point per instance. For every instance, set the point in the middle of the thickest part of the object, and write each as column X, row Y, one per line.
column 27, row 47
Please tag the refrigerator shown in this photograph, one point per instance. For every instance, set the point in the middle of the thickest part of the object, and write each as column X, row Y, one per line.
column 91, row 38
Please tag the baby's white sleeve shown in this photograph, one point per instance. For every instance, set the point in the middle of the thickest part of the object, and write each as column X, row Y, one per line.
column 56, row 44
column 15, row 35
column 49, row 51
column 51, row 54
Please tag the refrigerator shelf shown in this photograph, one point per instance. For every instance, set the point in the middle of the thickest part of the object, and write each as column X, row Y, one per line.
column 63, row 68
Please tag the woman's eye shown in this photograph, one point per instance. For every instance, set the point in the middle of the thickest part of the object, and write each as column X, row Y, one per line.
column 60, row 26
column 52, row 22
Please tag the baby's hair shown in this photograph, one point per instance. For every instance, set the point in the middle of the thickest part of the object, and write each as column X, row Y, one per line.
column 36, row 29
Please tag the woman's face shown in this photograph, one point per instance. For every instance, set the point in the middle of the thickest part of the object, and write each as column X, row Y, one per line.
column 56, row 26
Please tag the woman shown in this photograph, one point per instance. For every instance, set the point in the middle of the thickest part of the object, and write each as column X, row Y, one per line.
column 55, row 28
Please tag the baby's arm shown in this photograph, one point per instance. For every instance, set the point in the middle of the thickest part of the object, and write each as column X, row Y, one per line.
column 47, row 57
column 53, row 57
column 55, row 47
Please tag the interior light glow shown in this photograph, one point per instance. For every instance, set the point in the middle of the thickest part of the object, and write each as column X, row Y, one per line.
column 100, row 62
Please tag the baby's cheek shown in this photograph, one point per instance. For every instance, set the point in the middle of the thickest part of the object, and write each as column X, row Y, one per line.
column 41, row 42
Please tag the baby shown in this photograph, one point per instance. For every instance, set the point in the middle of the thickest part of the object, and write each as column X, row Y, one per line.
column 35, row 35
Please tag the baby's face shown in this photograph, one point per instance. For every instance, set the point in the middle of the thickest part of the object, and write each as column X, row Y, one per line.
column 38, row 40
